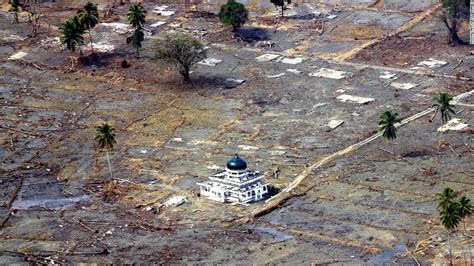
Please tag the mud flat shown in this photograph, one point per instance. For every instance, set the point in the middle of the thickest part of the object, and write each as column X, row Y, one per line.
column 276, row 107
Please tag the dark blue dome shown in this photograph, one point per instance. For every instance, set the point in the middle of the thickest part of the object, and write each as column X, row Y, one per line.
column 236, row 163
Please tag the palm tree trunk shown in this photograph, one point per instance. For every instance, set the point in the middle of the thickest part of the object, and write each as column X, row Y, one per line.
column 90, row 37
column 110, row 167
column 469, row 246
column 184, row 71
column 138, row 52
column 450, row 254
column 463, row 252
column 35, row 21
column 435, row 113
column 282, row 14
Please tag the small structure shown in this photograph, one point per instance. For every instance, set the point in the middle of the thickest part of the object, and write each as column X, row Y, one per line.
column 235, row 184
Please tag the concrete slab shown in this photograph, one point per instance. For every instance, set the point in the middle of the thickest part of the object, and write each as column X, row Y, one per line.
column 388, row 75
column 355, row 99
column 117, row 27
column 210, row 62
column 334, row 124
column 157, row 24
column 103, row 47
column 292, row 61
column 294, row 71
column 248, row 147
column 454, row 124
column 17, row 56
column 163, row 11
column 403, row 86
column 267, row 57
column 330, row 73
column 432, row 63
column 276, row 75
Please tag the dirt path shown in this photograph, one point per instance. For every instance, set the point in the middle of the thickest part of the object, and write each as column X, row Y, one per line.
column 410, row 24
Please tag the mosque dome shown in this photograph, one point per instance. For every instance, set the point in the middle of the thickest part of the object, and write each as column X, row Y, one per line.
column 236, row 163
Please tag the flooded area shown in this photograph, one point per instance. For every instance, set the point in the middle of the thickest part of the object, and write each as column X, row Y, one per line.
column 305, row 111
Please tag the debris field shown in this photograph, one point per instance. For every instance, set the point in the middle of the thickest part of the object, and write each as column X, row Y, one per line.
column 291, row 100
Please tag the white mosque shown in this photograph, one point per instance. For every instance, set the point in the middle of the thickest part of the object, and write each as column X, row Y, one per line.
column 235, row 184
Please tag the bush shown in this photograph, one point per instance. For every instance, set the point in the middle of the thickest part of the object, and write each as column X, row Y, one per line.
column 181, row 50
column 234, row 14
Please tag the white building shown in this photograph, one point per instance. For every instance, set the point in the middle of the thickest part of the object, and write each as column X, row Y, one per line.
column 235, row 184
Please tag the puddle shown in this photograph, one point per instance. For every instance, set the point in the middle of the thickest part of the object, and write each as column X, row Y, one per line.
column 279, row 236
column 416, row 154
column 49, row 202
column 385, row 257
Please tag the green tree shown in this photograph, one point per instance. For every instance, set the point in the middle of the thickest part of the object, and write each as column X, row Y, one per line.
column 89, row 17
column 106, row 139
column 465, row 208
column 181, row 50
column 449, row 211
column 233, row 13
column 465, row 211
column 454, row 12
column 387, row 124
column 445, row 198
column 34, row 16
column 136, row 40
column 444, row 106
column 15, row 4
column 450, row 219
column 281, row 4
column 71, row 33
column 136, row 15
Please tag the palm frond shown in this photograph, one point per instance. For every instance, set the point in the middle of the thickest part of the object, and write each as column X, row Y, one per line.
column 105, row 136
column 465, row 207
column 387, row 124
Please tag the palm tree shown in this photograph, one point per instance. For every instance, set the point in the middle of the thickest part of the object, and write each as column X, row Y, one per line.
column 71, row 33
column 34, row 16
column 445, row 198
column 465, row 207
column 465, row 210
column 89, row 17
column 106, row 139
column 387, row 124
column 136, row 40
column 136, row 15
column 443, row 105
column 15, row 6
column 450, row 219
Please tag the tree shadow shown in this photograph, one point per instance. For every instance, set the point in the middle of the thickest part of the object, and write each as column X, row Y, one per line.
column 253, row 34
column 102, row 59
column 199, row 83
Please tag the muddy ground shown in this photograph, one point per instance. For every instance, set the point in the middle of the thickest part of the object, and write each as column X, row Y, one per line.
column 374, row 205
